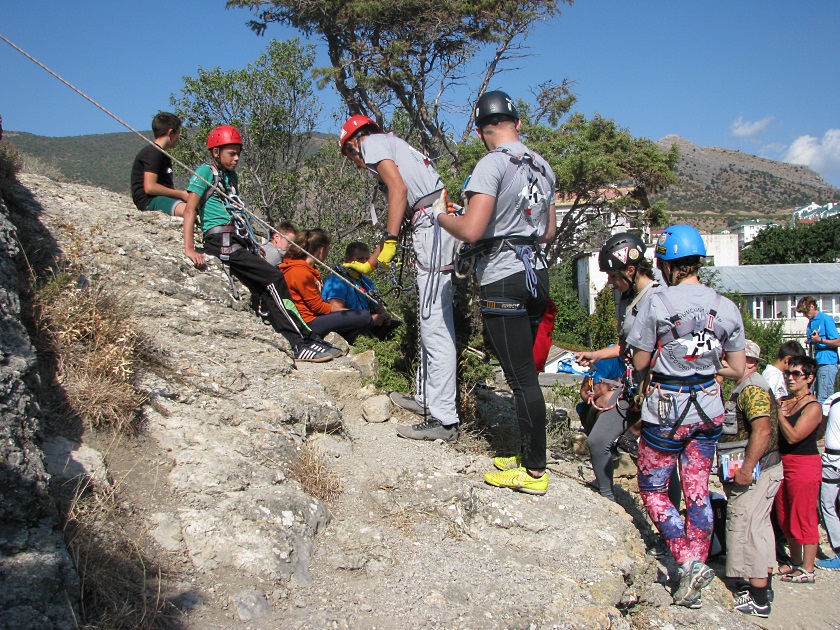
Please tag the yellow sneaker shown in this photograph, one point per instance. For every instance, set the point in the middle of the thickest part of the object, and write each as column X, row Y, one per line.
column 506, row 463
column 518, row 479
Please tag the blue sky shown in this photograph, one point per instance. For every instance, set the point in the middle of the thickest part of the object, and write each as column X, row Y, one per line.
column 759, row 76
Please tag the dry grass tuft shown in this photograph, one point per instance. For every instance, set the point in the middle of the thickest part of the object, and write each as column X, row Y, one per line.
column 310, row 469
column 47, row 168
column 95, row 344
column 120, row 586
column 11, row 162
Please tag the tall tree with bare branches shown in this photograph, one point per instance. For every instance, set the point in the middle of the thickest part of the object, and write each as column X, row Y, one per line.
column 389, row 55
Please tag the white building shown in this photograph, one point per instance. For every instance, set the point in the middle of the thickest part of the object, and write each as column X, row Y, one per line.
column 772, row 291
column 814, row 212
column 748, row 230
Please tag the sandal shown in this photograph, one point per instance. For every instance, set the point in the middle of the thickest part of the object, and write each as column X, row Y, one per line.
column 803, row 577
column 791, row 567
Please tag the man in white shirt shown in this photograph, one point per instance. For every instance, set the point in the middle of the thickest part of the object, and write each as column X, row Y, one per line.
column 773, row 372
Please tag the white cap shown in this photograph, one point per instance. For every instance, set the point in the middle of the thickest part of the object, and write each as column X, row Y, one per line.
column 752, row 350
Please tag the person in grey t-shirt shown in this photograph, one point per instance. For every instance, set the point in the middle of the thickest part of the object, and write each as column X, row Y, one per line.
column 412, row 185
column 510, row 211
column 683, row 337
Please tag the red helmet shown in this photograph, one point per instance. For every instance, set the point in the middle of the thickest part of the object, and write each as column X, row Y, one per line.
column 222, row 135
column 353, row 124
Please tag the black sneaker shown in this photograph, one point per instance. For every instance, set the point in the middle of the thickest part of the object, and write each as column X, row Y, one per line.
column 747, row 605
column 330, row 349
column 742, row 588
column 312, row 353
column 431, row 429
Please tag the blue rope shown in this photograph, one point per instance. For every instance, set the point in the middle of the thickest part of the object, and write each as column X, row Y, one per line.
column 525, row 253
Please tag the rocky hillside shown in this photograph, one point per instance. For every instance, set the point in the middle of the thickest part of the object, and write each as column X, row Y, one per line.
column 725, row 182
column 207, row 497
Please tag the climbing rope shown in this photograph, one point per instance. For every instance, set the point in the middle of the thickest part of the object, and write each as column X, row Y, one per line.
column 234, row 202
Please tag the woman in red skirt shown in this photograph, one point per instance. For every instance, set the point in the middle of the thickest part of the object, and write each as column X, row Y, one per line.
column 796, row 501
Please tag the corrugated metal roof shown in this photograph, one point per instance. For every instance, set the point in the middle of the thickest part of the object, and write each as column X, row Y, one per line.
column 806, row 279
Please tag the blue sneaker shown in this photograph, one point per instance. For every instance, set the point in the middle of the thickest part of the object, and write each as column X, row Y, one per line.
column 832, row 564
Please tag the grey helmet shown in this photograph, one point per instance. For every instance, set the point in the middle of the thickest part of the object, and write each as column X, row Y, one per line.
column 493, row 104
column 271, row 254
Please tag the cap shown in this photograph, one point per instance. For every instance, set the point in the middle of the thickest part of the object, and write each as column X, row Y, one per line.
column 752, row 350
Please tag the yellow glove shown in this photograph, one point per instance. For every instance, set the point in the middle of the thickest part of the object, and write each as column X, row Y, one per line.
column 364, row 268
column 388, row 251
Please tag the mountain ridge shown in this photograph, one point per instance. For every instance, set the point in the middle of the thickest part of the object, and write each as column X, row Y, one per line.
column 717, row 186
column 727, row 182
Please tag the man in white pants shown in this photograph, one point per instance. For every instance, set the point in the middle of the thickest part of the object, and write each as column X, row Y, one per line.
column 412, row 186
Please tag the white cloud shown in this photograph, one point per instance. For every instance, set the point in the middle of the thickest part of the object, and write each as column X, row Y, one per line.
column 747, row 129
column 822, row 155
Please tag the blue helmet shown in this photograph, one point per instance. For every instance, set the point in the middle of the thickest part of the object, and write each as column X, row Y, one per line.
column 679, row 241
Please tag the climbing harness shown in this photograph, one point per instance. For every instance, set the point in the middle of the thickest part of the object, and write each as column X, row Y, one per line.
column 234, row 202
column 699, row 342
column 525, row 248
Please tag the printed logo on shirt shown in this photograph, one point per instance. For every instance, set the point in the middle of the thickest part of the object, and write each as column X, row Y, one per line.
column 532, row 193
column 701, row 343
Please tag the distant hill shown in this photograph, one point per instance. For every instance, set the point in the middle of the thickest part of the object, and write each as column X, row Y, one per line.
column 717, row 186
column 723, row 186
column 102, row 160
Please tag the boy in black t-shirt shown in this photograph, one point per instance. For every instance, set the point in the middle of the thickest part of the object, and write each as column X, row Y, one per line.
column 152, row 185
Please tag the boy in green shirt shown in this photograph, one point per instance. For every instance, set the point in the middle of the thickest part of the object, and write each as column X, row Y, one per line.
column 238, row 253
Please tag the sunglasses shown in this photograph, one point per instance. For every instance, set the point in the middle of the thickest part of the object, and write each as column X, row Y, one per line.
column 794, row 373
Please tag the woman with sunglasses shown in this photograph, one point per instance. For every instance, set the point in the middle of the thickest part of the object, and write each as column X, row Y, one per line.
column 796, row 501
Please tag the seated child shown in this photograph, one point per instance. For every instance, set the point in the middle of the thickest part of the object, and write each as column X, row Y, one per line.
column 597, row 390
column 152, row 185
column 339, row 293
column 304, row 282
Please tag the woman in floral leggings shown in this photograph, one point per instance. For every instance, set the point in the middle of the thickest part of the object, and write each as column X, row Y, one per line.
column 684, row 336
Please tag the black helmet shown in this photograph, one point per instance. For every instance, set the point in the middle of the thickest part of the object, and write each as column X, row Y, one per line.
column 492, row 104
column 620, row 251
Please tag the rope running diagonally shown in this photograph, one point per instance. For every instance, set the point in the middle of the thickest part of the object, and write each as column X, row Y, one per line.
column 234, row 200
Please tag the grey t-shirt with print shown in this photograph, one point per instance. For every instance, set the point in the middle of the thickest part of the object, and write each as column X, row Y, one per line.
column 416, row 170
column 697, row 354
column 521, row 209
column 421, row 179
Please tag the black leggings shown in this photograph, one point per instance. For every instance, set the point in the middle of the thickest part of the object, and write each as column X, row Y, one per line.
column 512, row 337
column 349, row 324
column 266, row 282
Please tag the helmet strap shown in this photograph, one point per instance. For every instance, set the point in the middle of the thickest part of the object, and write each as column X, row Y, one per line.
column 349, row 149
column 631, row 283
column 667, row 277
